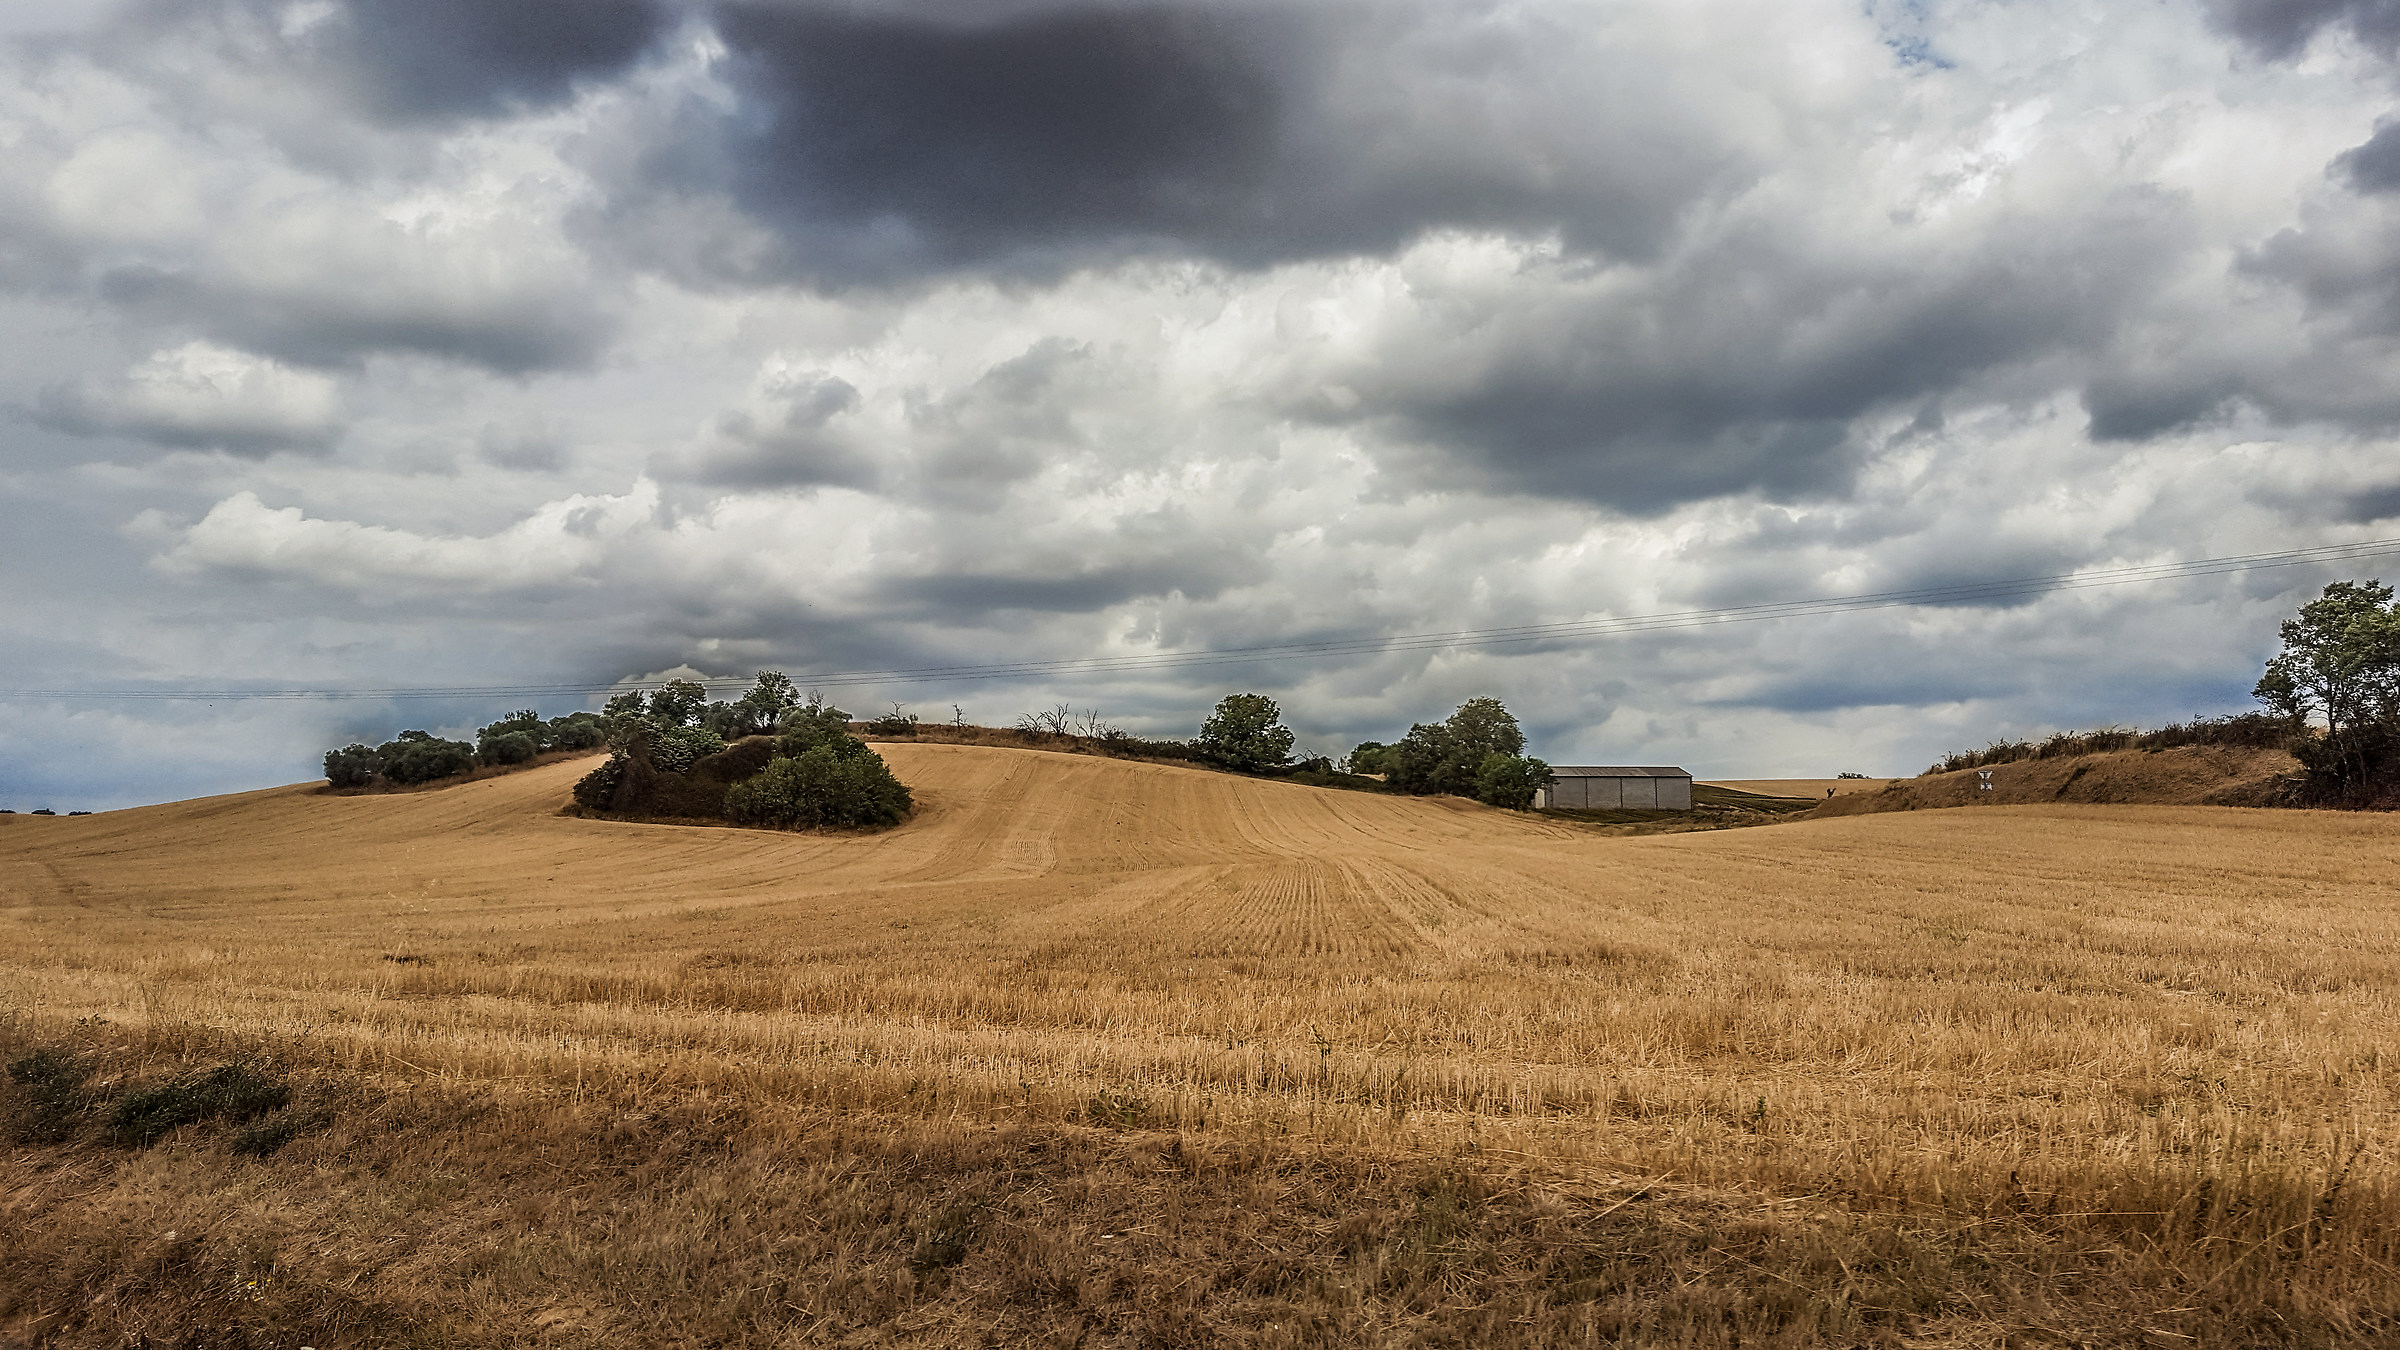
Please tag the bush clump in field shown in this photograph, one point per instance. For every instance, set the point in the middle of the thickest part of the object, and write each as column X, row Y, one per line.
column 1478, row 752
column 666, row 761
column 825, row 785
column 415, row 757
column 231, row 1090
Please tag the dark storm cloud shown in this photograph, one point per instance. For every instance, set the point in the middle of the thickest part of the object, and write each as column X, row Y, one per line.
column 2374, row 166
column 1745, row 370
column 2279, row 29
column 2130, row 409
column 1034, row 130
column 2370, row 505
column 876, row 143
column 413, row 60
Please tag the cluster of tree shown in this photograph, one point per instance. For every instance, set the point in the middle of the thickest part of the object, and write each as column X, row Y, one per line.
column 1478, row 751
column 2340, row 670
column 414, row 757
column 2333, row 699
column 790, row 765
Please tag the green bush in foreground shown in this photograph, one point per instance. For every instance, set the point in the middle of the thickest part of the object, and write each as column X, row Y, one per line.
column 828, row 784
column 352, row 766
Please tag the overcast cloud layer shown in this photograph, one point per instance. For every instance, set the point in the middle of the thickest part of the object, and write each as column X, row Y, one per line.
column 379, row 343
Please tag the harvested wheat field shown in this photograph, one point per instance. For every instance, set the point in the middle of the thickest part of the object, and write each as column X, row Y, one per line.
column 1103, row 1053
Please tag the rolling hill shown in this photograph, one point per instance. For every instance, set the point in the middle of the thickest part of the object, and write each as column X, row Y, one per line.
column 1106, row 1052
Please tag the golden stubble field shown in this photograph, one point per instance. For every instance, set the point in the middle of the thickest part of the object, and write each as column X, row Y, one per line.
column 2160, row 1036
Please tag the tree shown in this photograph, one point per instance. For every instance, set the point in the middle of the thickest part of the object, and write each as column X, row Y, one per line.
column 2340, row 664
column 1245, row 733
column 1510, row 780
column 421, row 757
column 1446, row 757
column 353, row 765
column 678, row 704
column 575, row 731
column 513, row 748
column 1366, row 757
column 764, row 706
column 2340, row 660
column 811, row 724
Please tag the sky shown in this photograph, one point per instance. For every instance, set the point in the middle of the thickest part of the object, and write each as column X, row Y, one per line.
column 374, row 344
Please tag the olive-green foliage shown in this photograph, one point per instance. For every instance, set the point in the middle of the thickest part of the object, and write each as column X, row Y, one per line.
column 1245, row 733
column 526, row 721
column 812, row 724
column 670, row 747
column 679, row 703
column 2340, row 664
column 353, row 765
column 1510, row 780
column 420, row 757
column 513, row 748
column 756, row 712
column 1366, row 757
column 575, row 731
column 1447, row 756
column 826, row 784
column 598, row 789
column 235, row 1090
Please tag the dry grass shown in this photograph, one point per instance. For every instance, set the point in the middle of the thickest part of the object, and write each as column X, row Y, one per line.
column 1816, row 788
column 1332, row 1066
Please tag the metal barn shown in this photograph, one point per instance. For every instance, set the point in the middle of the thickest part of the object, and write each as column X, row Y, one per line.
column 1612, row 787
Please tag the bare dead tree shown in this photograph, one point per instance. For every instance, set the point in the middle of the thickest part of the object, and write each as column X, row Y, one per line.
column 1058, row 721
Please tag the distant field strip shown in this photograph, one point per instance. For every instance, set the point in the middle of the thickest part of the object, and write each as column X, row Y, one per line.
column 1926, row 999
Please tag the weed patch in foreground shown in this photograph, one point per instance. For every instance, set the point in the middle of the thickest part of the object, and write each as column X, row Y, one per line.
column 236, row 1091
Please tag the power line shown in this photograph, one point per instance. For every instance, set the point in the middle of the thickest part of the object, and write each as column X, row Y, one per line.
column 1518, row 635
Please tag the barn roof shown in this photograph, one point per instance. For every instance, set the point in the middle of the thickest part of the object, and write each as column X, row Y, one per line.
column 1617, row 771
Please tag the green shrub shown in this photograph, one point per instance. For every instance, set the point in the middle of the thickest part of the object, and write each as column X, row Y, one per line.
column 813, row 723
column 142, row 1115
column 515, row 747
column 596, row 790
column 823, row 785
column 352, row 766
column 1510, row 780
column 1367, row 757
column 420, row 757
column 526, row 721
column 575, row 731
column 676, row 749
